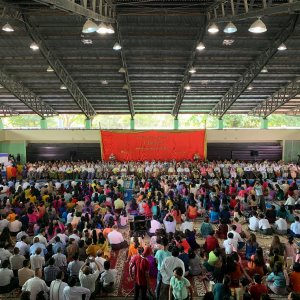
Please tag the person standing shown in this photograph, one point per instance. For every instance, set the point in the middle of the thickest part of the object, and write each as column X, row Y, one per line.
column 57, row 287
column 141, row 268
column 73, row 292
column 180, row 287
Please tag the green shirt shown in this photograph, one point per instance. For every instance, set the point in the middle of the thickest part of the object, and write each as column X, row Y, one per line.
column 179, row 287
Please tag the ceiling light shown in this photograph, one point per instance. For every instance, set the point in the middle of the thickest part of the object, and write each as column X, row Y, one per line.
column 34, row 46
column 200, row 46
column 89, row 27
column 250, row 87
column 192, row 70
column 258, row 26
column 117, row 46
column 282, row 47
column 102, row 28
column 230, row 28
column 63, row 87
column 125, row 87
column 228, row 42
column 104, row 82
column 110, row 29
column 122, row 70
column 213, row 28
column 7, row 28
column 187, row 87
column 264, row 70
column 49, row 69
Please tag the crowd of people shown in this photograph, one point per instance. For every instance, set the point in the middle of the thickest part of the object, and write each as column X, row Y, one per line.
column 57, row 236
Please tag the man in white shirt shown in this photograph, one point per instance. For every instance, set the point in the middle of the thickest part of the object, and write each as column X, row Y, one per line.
column 86, row 278
column 116, row 239
column 57, row 287
column 35, row 285
column 253, row 222
column 237, row 237
column 290, row 201
column 42, row 238
column 154, row 225
column 264, row 225
column 4, row 254
column 281, row 226
column 15, row 226
column 60, row 259
column 73, row 292
column 230, row 245
column 166, row 270
column 16, row 261
column 108, row 278
column 187, row 225
column 23, row 246
column 3, row 222
column 7, row 282
column 37, row 261
column 295, row 228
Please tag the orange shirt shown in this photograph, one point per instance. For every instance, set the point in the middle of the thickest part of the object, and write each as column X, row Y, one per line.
column 295, row 281
column 106, row 231
column 132, row 250
column 192, row 211
column 91, row 250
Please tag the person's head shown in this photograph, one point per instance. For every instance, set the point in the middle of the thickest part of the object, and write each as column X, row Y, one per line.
column 75, row 256
column 175, row 251
column 293, row 296
column 25, row 296
column 178, row 272
column 291, row 240
column 233, row 227
column 257, row 278
column 38, row 251
column 252, row 238
column 72, row 281
column 60, row 275
column 16, row 251
column 275, row 241
column 86, row 270
column 24, row 238
column 230, row 235
column 26, row 263
column 296, row 267
column 5, row 264
column 278, row 268
column 106, row 265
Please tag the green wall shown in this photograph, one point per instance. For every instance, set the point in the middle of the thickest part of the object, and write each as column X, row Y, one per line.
column 14, row 148
column 291, row 150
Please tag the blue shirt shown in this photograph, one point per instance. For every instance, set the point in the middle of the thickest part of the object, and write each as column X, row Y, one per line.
column 278, row 280
column 33, row 248
column 213, row 216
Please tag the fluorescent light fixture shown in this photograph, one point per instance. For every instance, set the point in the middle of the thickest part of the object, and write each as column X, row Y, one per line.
column 230, row 28
column 200, row 46
column 258, row 26
column 104, row 82
column 192, row 70
column 89, row 27
column 250, row 87
column 125, row 87
column 7, row 28
column 122, row 70
column 102, row 28
column 34, row 46
column 264, row 70
column 1, row 86
column 117, row 46
column 87, row 41
column 282, row 47
column 213, row 28
column 63, row 87
column 228, row 42
column 110, row 29
column 187, row 87
column 49, row 69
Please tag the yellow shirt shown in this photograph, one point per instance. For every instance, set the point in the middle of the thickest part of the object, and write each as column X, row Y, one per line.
column 119, row 204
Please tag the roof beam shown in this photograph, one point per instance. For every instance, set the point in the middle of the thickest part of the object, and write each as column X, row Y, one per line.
column 97, row 10
column 6, row 110
column 26, row 96
column 187, row 75
column 279, row 98
column 126, row 75
column 254, row 69
column 294, row 111
column 222, row 10
column 61, row 72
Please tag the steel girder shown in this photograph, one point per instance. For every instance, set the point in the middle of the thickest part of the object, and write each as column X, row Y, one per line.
column 61, row 72
column 91, row 9
column 187, row 75
column 254, row 69
column 278, row 99
column 294, row 111
column 26, row 96
column 226, row 11
column 124, row 65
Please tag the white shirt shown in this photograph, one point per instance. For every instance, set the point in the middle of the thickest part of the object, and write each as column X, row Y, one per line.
column 295, row 227
column 167, row 267
column 236, row 236
column 290, row 201
column 264, row 224
column 187, row 225
column 4, row 254
column 23, row 247
column 75, row 293
column 115, row 237
column 88, row 281
column 37, row 261
column 56, row 289
column 15, row 226
column 75, row 237
column 281, row 224
column 6, row 275
column 42, row 239
column 253, row 223
column 154, row 226
column 230, row 245
column 170, row 226
column 100, row 262
column 34, row 286
column 3, row 223
column 60, row 260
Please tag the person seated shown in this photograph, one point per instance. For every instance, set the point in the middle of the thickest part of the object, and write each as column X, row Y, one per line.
column 107, row 278
column 214, row 260
column 237, row 237
column 225, row 215
column 194, row 263
column 239, row 229
column 271, row 214
column 251, row 246
column 206, row 228
column 187, row 224
column 282, row 213
column 295, row 228
column 222, row 230
column 185, row 258
column 257, row 289
column 154, row 225
column 170, row 224
column 277, row 281
column 116, row 240
column 295, row 278
column 211, row 243
column 264, row 225
column 192, row 211
column 8, row 282
column 214, row 216
column 257, row 264
column 253, row 222
column 276, row 244
column 133, row 248
column 275, row 257
column 182, row 242
column 230, row 244
column 280, row 226
column 191, row 239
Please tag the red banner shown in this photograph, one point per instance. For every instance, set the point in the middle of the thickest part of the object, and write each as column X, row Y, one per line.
column 152, row 145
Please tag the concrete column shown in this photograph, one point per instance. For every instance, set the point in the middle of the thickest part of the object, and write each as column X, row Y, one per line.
column 263, row 123
column 176, row 123
column 43, row 123
column 1, row 124
column 88, row 123
column 220, row 124
column 132, row 124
